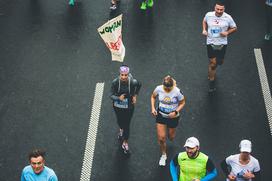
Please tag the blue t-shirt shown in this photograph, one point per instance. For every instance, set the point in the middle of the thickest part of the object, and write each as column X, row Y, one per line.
column 46, row 175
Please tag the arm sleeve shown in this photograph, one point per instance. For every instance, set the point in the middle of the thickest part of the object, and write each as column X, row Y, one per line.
column 211, row 171
column 113, row 95
column 257, row 176
column 174, row 168
column 210, row 166
column 225, row 167
column 210, row 175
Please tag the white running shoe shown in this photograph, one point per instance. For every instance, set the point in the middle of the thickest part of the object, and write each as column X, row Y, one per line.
column 163, row 159
column 125, row 148
column 268, row 36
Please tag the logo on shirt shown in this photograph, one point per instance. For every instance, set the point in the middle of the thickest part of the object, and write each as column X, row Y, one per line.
column 167, row 100
column 216, row 21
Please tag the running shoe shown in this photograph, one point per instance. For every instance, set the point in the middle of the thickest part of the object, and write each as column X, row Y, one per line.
column 150, row 3
column 125, row 148
column 212, row 86
column 163, row 159
column 113, row 6
column 143, row 6
column 267, row 36
column 211, row 90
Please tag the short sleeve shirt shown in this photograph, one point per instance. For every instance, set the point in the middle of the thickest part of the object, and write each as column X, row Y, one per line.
column 168, row 101
column 238, row 169
column 46, row 175
column 216, row 25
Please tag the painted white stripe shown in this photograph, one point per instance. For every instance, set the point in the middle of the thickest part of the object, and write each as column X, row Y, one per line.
column 265, row 86
column 91, row 137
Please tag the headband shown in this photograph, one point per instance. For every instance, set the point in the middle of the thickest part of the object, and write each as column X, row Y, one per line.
column 124, row 69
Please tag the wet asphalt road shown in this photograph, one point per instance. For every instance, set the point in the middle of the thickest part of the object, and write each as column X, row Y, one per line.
column 51, row 58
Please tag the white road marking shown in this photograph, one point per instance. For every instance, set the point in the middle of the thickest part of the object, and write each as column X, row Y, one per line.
column 91, row 137
column 265, row 86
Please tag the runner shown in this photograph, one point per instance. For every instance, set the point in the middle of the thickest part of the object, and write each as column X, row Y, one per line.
column 217, row 26
column 171, row 102
column 193, row 164
column 243, row 166
column 124, row 91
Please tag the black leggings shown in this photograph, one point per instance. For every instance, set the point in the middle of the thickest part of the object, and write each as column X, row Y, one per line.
column 123, row 119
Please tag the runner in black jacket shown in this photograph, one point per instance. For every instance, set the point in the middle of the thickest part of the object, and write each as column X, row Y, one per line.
column 124, row 91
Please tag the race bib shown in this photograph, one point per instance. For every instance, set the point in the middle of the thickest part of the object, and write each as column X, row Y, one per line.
column 215, row 31
column 121, row 104
column 167, row 108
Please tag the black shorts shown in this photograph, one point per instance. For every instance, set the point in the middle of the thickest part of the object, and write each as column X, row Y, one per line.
column 169, row 122
column 218, row 54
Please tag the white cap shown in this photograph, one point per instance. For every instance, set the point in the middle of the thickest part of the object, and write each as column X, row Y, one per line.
column 191, row 142
column 245, row 146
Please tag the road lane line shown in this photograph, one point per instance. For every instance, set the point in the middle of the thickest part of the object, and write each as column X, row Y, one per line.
column 265, row 86
column 91, row 136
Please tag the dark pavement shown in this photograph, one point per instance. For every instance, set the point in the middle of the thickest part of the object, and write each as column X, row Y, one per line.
column 51, row 58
